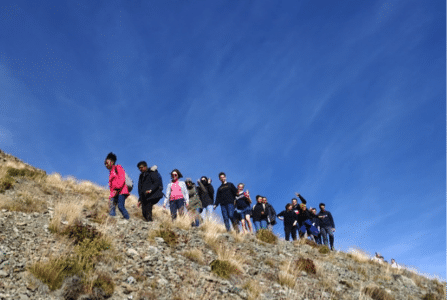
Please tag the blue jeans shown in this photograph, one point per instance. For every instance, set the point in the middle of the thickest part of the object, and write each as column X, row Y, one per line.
column 207, row 212
column 324, row 231
column 227, row 214
column 119, row 201
column 196, row 221
column 260, row 224
column 176, row 206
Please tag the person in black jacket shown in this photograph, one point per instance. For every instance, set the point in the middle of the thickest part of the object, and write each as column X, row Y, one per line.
column 225, row 196
column 259, row 214
column 206, row 194
column 150, row 189
column 327, row 225
column 271, row 214
column 290, row 219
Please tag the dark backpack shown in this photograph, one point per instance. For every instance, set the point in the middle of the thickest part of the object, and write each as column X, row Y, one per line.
column 271, row 215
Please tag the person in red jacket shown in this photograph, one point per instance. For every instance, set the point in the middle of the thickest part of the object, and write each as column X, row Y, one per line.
column 117, row 185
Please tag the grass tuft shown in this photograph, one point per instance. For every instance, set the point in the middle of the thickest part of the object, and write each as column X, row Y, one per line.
column 305, row 264
column 223, row 268
column 377, row 293
column 80, row 232
column 324, row 250
column 266, row 236
column 169, row 236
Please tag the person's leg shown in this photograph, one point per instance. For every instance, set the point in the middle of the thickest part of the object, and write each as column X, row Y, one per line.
column 263, row 224
column 243, row 225
column 293, row 232
column 324, row 235
column 121, row 206
column 173, row 209
column 331, row 238
column 248, row 222
column 225, row 216
column 257, row 225
column 287, row 232
column 112, row 205
column 197, row 216
column 231, row 216
column 144, row 210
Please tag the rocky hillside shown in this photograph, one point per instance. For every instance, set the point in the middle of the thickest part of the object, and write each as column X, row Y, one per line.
column 57, row 242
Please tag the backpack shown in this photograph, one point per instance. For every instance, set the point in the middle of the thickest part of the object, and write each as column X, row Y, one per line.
column 271, row 215
column 128, row 180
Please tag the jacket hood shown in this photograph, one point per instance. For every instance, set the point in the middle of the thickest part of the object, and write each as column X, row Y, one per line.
column 153, row 168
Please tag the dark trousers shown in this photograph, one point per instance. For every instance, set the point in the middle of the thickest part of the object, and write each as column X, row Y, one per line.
column 290, row 230
column 146, row 208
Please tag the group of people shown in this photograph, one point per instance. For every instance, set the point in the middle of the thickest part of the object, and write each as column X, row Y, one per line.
column 198, row 201
column 316, row 226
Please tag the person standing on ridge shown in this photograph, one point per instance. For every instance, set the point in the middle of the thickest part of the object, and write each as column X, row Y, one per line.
column 327, row 226
column 117, row 185
column 177, row 194
column 206, row 194
column 150, row 189
column 225, row 196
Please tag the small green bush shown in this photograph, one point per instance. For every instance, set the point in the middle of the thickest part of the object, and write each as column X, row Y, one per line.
column 168, row 235
column 324, row 250
column 223, row 268
column 6, row 183
column 32, row 174
column 377, row 293
column 266, row 236
column 431, row 296
column 105, row 283
column 79, row 232
column 305, row 264
column 54, row 271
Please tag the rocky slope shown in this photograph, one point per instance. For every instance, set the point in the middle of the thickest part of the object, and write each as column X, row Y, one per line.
column 142, row 263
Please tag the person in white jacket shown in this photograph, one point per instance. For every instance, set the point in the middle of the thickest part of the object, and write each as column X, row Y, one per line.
column 177, row 194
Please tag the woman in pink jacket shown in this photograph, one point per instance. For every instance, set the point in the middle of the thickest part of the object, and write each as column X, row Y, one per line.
column 117, row 184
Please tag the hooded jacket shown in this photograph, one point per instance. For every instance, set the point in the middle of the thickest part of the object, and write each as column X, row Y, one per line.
column 117, row 181
column 150, row 181
column 206, row 192
column 194, row 200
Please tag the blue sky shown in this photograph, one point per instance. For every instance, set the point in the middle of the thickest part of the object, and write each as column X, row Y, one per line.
column 342, row 101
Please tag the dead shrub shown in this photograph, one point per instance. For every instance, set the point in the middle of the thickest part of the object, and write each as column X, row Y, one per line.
column 377, row 293
column 266, row 236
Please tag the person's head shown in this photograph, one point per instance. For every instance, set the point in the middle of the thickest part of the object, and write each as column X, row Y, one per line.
column 176, row 175
column 392, row 260
column 313, row 210
column 294, row 201
column 264, row 199
column 110, row 160
column 259, row 198
column 289, row 206
column 142, row 166
column 189, row 182
column 240, row 187
column 322, row 206
column 204, row 180
column 222, row 177
column 303, row 206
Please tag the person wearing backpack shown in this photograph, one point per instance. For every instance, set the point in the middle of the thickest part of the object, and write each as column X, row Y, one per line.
column 117, row 185
column 150, row 189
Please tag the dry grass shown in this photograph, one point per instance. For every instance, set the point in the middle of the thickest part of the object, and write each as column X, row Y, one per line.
column 253, row 288
column 287, row 275
column 195, row 255
column 359, row 255
column 24, row 202
column 67, row 212
column 377, row 293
